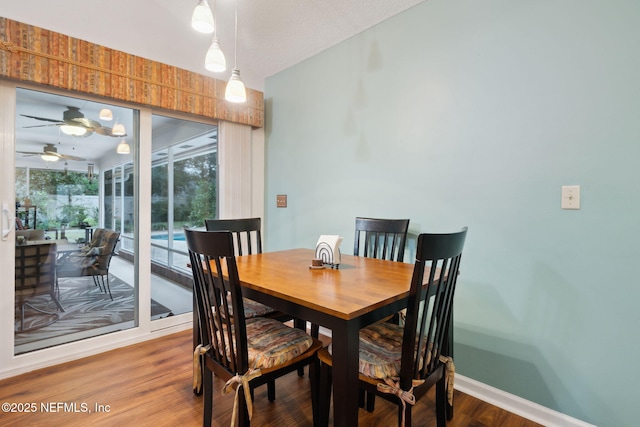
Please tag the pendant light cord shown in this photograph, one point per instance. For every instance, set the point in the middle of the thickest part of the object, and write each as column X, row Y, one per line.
column 215, row 23
column 235, row 53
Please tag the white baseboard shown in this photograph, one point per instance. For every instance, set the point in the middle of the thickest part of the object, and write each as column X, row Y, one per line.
column 509, row 402
column 517, row 405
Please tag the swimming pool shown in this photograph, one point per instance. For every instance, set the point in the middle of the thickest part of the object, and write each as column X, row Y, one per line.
column 165, row 236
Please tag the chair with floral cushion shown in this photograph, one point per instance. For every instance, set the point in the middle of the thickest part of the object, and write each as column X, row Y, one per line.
column 246, row 353
column 380, row 238
column 400, row 363
column 92, row 260
column 96, row 239
column 247, row 240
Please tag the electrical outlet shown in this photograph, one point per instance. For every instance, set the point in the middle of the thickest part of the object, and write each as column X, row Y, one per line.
column 570, row 197
column 281, row 201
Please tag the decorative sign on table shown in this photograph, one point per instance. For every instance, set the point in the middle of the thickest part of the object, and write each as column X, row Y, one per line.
column 328, row 250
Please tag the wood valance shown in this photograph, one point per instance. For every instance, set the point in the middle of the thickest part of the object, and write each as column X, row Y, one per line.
column 36, row 55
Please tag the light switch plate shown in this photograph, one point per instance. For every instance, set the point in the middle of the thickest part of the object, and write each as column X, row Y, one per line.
column 281, row 201
column 570, row 197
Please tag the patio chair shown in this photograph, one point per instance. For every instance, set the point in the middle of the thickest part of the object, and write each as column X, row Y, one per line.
column 35, row 275
column 92, row 261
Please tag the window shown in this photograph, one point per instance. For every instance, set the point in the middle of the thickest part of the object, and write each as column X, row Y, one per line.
column 183, row 193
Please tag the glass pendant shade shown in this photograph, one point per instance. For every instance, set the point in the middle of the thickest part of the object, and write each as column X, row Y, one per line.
column 73, row 130
column 123, row 147
column 118, row 130
column 214, row 61
column 106, row 114
column 235, row 91
column 202, row 18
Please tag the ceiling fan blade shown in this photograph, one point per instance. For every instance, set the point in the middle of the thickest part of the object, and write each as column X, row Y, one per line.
column 53, row 151
column 69, row 157
column 74, row 117
column 106, row 131
column 41, row 118
column 41, row 126
column 28, row 153
column 88, row 123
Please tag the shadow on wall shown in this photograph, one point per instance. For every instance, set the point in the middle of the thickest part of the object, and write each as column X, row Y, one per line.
column 526, row 373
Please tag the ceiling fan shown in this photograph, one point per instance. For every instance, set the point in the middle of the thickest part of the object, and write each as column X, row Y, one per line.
column 50, row 153
column 74, row 123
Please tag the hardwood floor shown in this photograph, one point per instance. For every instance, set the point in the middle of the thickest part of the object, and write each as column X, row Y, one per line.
column 149, row 384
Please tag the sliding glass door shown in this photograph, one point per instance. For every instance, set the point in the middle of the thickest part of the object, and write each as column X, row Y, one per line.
column 184, row 193
column 85, row 172
column 74, row 189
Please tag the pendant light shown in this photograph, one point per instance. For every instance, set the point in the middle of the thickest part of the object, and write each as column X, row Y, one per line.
column 106, row 114
column 202, row 18
column 118, row 130
column 235, row 91
column 123, row 147
column 214, row 60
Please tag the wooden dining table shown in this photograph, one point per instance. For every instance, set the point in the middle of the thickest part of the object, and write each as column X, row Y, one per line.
column 358, row 293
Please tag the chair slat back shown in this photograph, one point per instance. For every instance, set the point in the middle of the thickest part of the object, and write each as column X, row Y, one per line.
column 246, row 233
column 380, row 238
column 430, row 303
column 215, row 275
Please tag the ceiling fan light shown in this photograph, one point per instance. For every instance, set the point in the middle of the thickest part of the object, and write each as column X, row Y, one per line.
column 106, row 114
column 202, row 18
column 73, row 130
column 49, row 157
column 123, row 147
column 235, row 91
column 214, row 61
column 118, row 130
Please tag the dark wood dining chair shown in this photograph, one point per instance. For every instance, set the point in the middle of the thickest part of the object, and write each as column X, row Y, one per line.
column 244, row 352
column 378, row 238
column 247, row 240
column 246, row 232
column 35, row 273
column 401, row 363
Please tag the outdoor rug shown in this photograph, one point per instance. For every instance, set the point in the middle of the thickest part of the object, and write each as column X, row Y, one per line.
column 87, row 312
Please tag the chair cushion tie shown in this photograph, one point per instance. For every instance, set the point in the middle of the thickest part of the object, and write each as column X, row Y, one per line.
column 392, row 386
column 242, row 381
column 449, row 371
column 197, row 369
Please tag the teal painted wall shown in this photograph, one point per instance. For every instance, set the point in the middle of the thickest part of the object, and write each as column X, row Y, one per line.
column 476, row 112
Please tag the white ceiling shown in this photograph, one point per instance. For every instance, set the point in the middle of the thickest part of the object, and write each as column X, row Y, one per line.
column 38, row 116
column 272, row 34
